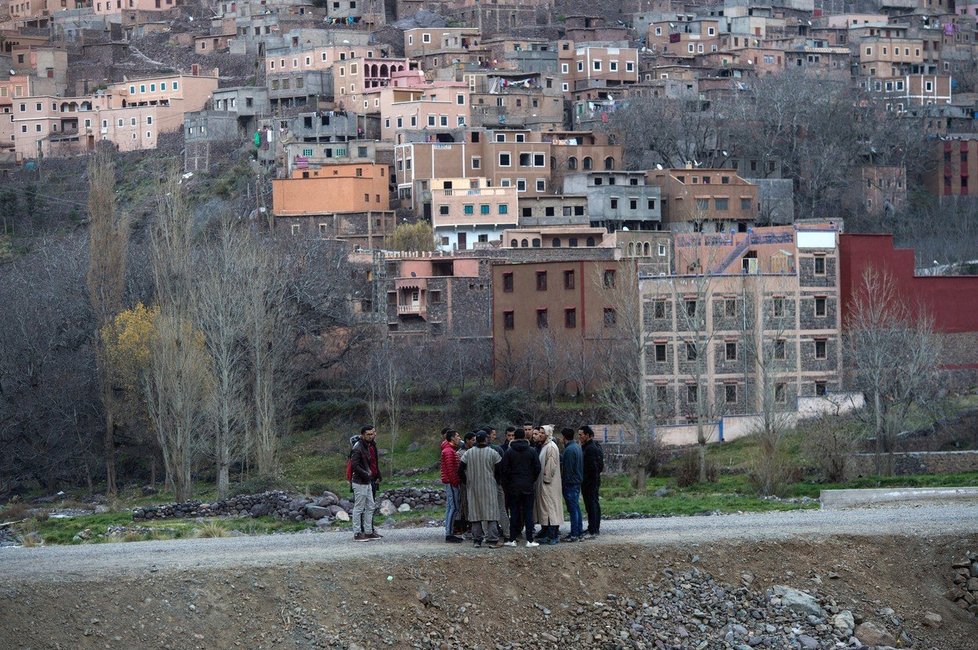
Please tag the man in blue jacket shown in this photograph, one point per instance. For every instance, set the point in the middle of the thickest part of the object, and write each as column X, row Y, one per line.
column 571, row 475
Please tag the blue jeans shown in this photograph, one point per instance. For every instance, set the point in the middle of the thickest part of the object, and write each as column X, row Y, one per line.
column 451, row 507
column 572, row 496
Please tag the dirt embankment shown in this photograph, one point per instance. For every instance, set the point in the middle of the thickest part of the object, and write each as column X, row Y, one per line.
column 573, row 595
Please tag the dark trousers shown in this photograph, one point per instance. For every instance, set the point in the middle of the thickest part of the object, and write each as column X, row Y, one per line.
column 590, row 492
column 520, row 515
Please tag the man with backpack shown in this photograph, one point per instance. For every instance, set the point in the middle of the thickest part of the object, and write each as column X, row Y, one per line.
column 364, row 477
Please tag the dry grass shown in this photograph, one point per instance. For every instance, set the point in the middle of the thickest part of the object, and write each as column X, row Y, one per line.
column 211, row 529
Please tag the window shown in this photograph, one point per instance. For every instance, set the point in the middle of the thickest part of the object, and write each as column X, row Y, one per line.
column 484, row 208
column 476, row 162
column 745, row 204
column 660, row 352
column 819, row 265
column 564, row 68
column 426, row 38
column 509, row 322
column 821, row 389
column 541, row 185
column 662, row 250
column 722, row 204
column 468, row 208
column 520, row 184
column 781, row 393
column 780, row 350
column 692, row 393
column 542, row 319
column 541, row 280
column 659, row 309
column 702, row 204
column 613, row 66
column 661, row 394
column 778, row 307
column 597, row 65
column 443, row 210
column 610, row 317
column 614, row 203
column 821, row 349
column 570, row 318
column 568, row 279
column 505, row 160
column 820, row 306
column 503, row 208
column 690, row 352
column 690, row 308
column 730, row 350
column 729, row 308
column 609, row 279
column 508, row 282
column 730, row 393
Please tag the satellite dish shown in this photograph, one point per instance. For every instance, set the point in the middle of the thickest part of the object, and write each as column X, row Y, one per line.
column 414, row 274
column 624, row 228
column 658, row 166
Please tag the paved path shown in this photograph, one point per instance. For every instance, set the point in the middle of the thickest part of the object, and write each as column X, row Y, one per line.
column 94, row 561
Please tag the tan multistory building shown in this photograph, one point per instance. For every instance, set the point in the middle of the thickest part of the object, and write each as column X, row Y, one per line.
column 527, row 160
column 705, row 200
column 468, row 213
column 748, row 322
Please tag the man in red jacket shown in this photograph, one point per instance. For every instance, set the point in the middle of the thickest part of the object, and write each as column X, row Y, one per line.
column 449, row 476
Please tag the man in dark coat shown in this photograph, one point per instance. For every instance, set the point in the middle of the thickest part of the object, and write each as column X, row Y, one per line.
column 365, row 464
column 518, row 471
column 591, row 483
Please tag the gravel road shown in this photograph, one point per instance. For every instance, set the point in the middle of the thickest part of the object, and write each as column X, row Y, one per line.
column 69, row 563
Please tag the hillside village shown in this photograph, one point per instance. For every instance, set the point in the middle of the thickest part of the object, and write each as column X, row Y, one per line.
column 598, row 187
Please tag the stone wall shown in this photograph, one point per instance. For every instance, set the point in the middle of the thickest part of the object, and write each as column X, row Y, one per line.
column 292, row 507
column 922, row 462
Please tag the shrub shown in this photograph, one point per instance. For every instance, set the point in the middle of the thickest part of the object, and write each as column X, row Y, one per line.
column 771, row 473
column 509, row 405
column 828, row 444
column 688, row 469
column 212, row 529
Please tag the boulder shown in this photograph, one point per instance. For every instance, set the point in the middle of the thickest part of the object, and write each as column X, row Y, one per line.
column 328, row 499
column 871, row 634
column 404, row 507
column 342, row 516
column 933, row 620
column 799, row 601
column 316, row 512
column 260, row 510
column 843, row 622
column 414, row 446
column 387, row 508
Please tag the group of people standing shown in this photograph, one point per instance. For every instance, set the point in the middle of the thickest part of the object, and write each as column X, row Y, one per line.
column 496, row 492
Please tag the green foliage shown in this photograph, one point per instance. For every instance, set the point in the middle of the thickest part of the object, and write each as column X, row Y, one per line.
column 260, row 484
column 417, row 236
column 512, row 405
column 320, row 412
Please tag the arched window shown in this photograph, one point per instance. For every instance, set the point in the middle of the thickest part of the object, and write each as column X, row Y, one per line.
column 553, row 163
column 590, row 241
column 524, row 243
column 572, row 163
column 556, row 242
column 536, row 243
column 647, row 249
column 631, row 248
column 513, row 243
column 609, row 163
column 588, row 164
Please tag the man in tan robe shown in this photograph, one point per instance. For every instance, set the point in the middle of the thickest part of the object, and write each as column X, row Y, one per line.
column 478, row 466
column 548, row 505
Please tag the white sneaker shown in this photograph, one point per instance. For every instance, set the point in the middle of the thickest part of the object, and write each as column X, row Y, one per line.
column 532, row 544
column 513, row 543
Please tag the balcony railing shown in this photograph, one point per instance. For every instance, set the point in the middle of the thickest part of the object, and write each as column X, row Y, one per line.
column 412, row 308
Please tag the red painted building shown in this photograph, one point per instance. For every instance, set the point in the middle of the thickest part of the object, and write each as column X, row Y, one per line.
column 951, row 300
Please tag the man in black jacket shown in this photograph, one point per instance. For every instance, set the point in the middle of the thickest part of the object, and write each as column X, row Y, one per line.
column 365, row 465
column 518, row 470
column 591, row 484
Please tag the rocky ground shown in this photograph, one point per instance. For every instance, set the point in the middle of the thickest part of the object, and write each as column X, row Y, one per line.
column 625, row 590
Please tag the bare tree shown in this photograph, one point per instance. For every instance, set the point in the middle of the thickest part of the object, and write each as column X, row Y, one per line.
column 764, row 346
column 177, row 382
column 178, row 386
column 894, row 352
column 625, row 390
column 108, row 234
column 220, row 312
column 270, row 338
